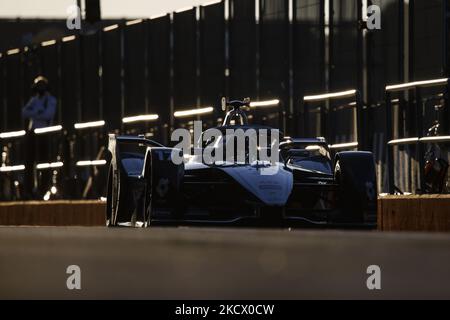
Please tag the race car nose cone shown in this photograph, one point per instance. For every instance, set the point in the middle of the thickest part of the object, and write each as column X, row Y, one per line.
column 272, row 186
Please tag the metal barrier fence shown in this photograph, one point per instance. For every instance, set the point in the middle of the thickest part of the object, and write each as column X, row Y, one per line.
column 153, row 75
column 260, row 49
column 54, row 162
column 326, row 114
column 71, row 162
column 409, row 128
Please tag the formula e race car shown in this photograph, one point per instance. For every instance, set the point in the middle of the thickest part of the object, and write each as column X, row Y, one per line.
column 305, row 186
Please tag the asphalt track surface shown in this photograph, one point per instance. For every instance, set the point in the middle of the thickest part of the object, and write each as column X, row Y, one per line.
column 196, row 263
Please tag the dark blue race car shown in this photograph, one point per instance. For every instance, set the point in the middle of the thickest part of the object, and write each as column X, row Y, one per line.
column 308, row 188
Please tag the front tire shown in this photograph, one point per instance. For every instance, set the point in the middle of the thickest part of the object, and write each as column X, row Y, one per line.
column 147, row 209
column 109, row 199
column 147, row 213
column 116, row 199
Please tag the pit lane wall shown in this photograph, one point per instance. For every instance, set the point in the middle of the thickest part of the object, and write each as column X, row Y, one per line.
column 395, row 213
column 414, row 213
column 53, row 213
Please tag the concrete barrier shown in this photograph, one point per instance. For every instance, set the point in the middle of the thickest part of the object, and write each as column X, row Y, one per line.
column 414, row 213
column 395, row 213
column 53, row 213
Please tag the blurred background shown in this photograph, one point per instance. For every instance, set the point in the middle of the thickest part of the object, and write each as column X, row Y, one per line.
column 134, row 65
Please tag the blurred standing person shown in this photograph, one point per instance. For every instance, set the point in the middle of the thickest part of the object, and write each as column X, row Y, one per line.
column 39, row 112
column 41, row 108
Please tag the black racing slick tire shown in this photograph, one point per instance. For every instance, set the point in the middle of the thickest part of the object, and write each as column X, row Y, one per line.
column 357, row 192
column 115, row 199
column 147, row 198
column 109, row 205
